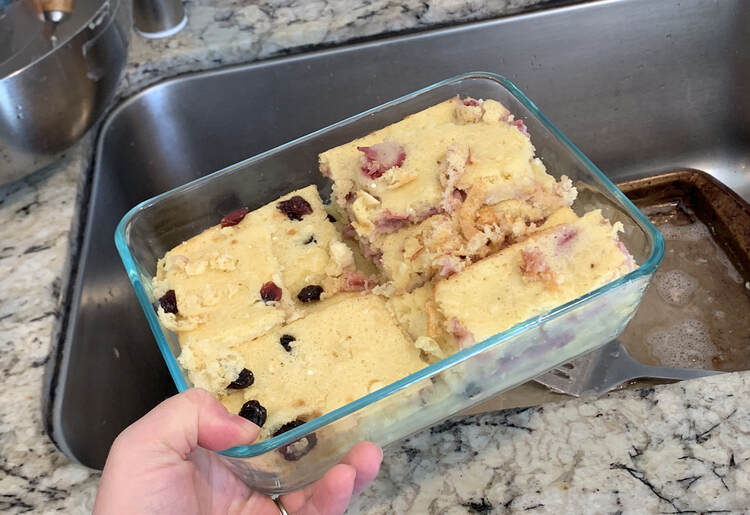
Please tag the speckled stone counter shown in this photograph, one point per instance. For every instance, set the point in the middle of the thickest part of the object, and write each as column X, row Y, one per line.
column 682, row 448
column 221, row 33
column 677, row 448
column 36, row 216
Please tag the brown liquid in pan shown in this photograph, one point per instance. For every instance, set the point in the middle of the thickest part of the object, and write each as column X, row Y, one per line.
column 696, row 312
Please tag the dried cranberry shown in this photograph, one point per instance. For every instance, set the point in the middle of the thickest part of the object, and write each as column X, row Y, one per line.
column 270, row 292
column 349, row 232
column 310, row 293
column 234, row 217
column 470, row 102
column 380, row 157
column 521, row 127
column 298, row 448
column 295, row 207
column 331, row 218
column 168, row 302
column 565, row 236
column 285, row 340
column 254, row 412
column 244, row 379
column 355, row 281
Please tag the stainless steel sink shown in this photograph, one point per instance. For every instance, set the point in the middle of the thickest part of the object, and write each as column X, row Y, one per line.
column 639, row 86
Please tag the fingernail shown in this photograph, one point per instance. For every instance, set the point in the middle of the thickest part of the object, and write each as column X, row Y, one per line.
column 246, row 425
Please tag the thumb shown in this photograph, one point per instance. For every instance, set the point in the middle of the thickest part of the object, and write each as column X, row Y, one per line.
column 191, row 419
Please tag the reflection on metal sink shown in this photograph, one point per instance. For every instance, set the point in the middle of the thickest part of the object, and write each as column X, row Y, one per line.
column 669, row 88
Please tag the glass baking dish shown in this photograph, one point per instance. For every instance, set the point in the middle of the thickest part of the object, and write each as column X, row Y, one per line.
column 444, row 388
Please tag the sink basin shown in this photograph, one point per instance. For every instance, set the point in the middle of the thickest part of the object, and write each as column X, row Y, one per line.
column 670, row 88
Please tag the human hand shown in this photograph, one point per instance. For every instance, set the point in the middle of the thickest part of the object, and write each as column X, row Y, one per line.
column 163, row 463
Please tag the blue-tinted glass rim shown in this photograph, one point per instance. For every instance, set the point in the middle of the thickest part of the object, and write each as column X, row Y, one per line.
column 248, row 451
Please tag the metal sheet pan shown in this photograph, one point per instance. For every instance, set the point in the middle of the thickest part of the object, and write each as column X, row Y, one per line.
column 696, row 313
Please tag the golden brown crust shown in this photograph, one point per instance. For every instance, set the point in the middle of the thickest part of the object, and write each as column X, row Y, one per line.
column 467, row 213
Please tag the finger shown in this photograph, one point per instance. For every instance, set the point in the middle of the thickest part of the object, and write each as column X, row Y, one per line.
column 329, row 495
column 365, row 457
column 256, row 504
column 190, row 419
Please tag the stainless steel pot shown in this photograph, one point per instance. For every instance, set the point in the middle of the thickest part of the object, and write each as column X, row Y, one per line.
column 56, row 79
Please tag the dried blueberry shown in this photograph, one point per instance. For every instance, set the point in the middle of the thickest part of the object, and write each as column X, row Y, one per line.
column 168, row 302
column 244, row 379
column 310, row 293
column 331, row 218
column 295, row 207
column 285, row 340
column 254, row 412
column 270, row 292
column 298, row 448
column 288, row 427
column 234, row 217
column 310, row 240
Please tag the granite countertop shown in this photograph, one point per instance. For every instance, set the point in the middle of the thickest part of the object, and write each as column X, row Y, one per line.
column 670, row 449
column 221, row 33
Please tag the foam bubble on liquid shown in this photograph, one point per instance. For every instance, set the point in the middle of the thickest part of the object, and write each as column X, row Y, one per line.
column 675, row 286
column 685, row 344
column 692, row 232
